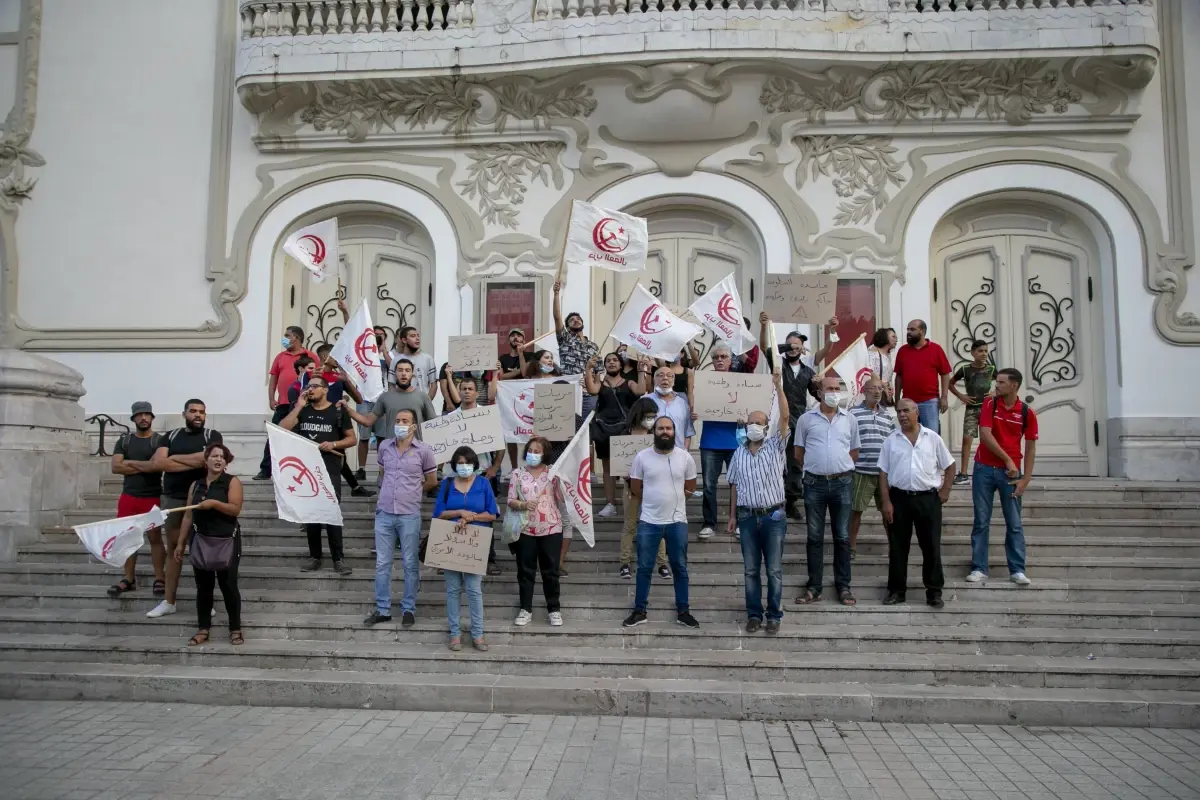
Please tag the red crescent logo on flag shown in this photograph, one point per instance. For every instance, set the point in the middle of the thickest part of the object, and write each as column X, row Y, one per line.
column 610, row 236
column 652, row 320
column 728, row 310
column 584, row 484
column 523, row 406
column 314, row 246
column 296, row 478
column 108, row 546
column 861, row 378
column 366, row 350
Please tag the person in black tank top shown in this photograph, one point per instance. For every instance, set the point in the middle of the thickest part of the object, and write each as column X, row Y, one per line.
column 218, row 501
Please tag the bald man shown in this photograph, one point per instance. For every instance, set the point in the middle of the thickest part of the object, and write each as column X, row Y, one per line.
column 923, row 375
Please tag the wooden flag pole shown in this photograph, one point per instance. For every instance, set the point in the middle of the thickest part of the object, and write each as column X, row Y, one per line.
column 861, row 336
column 621, row 310
column 776, row 356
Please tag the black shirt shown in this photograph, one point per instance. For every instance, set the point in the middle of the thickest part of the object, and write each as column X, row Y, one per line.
column 325, row 426
column 209, row 521
column 137, row 448
column 509, row 363
column 612, row 405
column 182, row 442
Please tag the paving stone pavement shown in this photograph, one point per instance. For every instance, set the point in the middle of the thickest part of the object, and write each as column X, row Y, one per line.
column 90, row 751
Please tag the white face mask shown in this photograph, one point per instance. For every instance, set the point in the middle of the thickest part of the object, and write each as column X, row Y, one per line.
column 401, row 431
column 533, row 459
column 464, row 470
column 648, row 422
column 662, row 391
column 832, row 399
column 755, row 433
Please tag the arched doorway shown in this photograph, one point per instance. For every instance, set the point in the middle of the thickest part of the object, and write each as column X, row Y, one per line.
column 1021, row 272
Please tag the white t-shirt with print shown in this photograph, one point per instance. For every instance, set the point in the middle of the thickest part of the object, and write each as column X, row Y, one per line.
column 662, row 475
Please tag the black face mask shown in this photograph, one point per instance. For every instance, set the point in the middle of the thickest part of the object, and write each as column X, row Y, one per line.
column 791, row 357
column 664, row 442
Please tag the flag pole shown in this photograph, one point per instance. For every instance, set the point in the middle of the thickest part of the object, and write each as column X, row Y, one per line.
column 562, row 253
column 776, row 357
column 849, row 347
column 613, row 327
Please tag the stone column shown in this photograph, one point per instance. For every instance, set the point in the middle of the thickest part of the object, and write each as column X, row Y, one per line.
column 43, row 449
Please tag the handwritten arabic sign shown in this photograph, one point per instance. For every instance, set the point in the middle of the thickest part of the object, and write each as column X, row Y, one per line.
column 554, row 411
column 622, row 449
column 472, row 352
column 478, row 429
column 731, row 396
column 463, row 550
column 800, row 298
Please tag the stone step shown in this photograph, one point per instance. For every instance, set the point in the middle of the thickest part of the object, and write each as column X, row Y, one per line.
column 431, row 604
column 657, row 697
column 806, row 638
column 725, row 587
column 582, row 562
column 603, row 662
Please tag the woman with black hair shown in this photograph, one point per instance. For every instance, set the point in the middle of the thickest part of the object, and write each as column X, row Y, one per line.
column 532, row 492
column 544, row 367
column 615, row 395
column 639, row 423
column 881, row 356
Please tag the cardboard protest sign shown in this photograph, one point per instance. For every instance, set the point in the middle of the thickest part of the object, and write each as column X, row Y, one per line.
column 478, row 429
column 554, row 411
column 800, row 298
column 460, row 551
column 473, row 352
column 731, row 396
column 622, row 449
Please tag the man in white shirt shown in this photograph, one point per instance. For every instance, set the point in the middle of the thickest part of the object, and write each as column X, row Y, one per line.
column 662, row 477
column 674, row 405
column 916, row 472
column 827, row 445
column 425, row 373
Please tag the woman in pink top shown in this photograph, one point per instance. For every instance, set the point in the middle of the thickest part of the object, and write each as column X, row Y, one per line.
column 532, row 491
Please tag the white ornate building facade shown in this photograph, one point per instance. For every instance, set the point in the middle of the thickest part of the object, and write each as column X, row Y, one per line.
column 1012, row 170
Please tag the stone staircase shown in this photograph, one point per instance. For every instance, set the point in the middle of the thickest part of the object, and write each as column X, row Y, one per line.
column 1109, row 632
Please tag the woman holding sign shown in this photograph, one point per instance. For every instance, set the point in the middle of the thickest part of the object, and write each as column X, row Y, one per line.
column 466, row 499
column 615, row 395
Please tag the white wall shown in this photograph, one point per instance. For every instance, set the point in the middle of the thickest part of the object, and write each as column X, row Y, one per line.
column 1191, row 60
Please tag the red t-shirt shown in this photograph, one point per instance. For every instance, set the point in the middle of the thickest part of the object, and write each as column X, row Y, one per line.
column 1005, row 422
column 284, row 370
column 919, row 368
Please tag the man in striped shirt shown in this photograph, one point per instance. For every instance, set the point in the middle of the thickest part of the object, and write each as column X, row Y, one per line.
column 756, row 507
column 874, row 426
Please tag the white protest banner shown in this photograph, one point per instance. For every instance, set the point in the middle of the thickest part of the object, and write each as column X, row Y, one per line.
column 316, row 247
column 303, row 488
column 720, row 310
column 548, row 341
column 622, row 449
column 800, row 298
column 113, row 541
column 357, row 353
column 554, row 411
column 473, row 352
column 597, row 237
column 573, row 471
column 515, row 399
column 647, row 325
column 478, row 429
column 730, row 396
column 853, row 366
column 460, row 550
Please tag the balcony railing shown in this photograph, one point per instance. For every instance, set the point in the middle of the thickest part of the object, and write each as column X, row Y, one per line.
column 324, row 17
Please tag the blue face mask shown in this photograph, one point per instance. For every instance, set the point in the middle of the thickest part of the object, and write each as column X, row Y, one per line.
column 547, row 367
column 533, row 459
column 285, row 342
column 476, row 373
column 741, row 436
column 401, row 431
column 464, row 470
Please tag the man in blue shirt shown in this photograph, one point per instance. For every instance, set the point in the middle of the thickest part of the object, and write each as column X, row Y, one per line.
column 718, row 441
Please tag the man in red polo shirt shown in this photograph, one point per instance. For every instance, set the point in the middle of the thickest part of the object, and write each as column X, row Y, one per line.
column 280, row 376
column 923, row 375
column 1004, row 421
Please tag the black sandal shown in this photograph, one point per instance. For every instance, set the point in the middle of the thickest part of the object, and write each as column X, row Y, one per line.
column 235, row 637
column 160, row 588
column 125, row 585
column 809, row 596
column 201, row 637
column 846, row 598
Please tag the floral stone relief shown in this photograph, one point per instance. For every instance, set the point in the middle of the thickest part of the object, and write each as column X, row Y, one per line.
column 861, row 167
column 499, row 175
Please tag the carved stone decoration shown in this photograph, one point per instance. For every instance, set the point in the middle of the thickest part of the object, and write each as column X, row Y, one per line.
column 500, row 174
column 861, row 168
column 15, row 154
column 1010, row 90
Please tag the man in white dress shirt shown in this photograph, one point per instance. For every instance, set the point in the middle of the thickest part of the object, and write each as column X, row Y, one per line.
column 916, row 472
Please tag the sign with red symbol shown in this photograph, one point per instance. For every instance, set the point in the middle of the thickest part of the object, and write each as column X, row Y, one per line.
column 357, row 353
column 113, row 541
column 303, row 489
column 316, row 247
column 720, row 310
column 517, row 401
column 854, row 367
column 599, row 237
column 649, row 327
column 573, row 471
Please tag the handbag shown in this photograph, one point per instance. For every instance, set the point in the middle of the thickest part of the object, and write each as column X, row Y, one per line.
column 601, row 430
column 515, row 521
column 211, row 553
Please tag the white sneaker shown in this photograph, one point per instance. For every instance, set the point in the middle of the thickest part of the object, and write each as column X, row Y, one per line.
column 608, row 511
column 556, row 618
column 525, row 617
column 706, row 533
column 976, row 577
column 161, row 610
column 1019, row 579
column 698, row 493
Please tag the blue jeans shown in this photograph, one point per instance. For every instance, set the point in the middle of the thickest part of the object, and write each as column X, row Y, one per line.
column 648, row 538
column 832, row 494
column 927, row 415
column 390, row 528
column 711, row 462
column 985, row 483
column 762, row 540
column 455, row 582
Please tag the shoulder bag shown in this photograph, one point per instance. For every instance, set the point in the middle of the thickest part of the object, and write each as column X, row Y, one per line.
column 211, row 553
column 602, row 430
column 515, row 521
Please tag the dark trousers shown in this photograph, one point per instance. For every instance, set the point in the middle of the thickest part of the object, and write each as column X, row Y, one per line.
column 924, row 513
column 281, row 411
column 793, row 486
column 335, row 531
column 534, row 552
column 206, row 580
column 348, row 475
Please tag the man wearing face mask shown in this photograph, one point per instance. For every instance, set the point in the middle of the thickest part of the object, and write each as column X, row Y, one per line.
column 280, row 377
column 756, row 509
column 674, row 405
column 409, row 469
column 923, row 375
column 827, row 442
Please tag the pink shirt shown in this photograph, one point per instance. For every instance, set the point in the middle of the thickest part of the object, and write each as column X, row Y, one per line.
column 543, row 496
column 284, row 370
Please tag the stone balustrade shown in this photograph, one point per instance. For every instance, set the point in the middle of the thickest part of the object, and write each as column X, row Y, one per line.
column 323, row 17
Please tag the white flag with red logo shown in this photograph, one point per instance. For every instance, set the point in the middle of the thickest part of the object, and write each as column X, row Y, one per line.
column 303, row 485
column 316, row 247
column 720, row 310
column 515, row 399
column 597, row 237
column 853, row 366
column 357, row 353
column 113, row 541
column 646, row 325
column 573, row 471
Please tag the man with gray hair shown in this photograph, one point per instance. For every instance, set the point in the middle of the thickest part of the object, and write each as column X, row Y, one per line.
column 718, row 441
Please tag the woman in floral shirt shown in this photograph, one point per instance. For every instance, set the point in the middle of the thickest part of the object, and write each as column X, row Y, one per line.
column 532, row 491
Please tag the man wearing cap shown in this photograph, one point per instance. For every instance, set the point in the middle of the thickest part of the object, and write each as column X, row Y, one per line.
column 574, row 349
column 140, row 490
